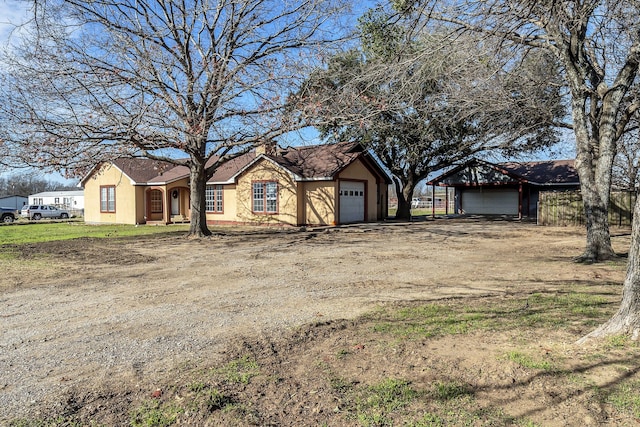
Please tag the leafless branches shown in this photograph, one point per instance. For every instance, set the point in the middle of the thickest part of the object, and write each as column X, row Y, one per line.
column 145, row 76
column 597, row 44
column 185, row 81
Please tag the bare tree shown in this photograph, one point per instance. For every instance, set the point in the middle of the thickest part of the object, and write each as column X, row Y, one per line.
column 193, row 82
column 26, row 183
column 422, row 102
column 598, row 44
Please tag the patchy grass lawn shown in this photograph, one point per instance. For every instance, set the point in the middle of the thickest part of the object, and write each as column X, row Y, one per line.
column 35, row 232
column 477, row 362
column 497, row 349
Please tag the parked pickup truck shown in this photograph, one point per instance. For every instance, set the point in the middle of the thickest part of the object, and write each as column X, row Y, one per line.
column 7, row 215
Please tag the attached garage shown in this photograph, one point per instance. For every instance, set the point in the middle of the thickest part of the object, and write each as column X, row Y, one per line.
column 352, row 202
column 480, row 201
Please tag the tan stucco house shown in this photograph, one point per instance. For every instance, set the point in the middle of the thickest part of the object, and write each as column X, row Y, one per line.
column 313, row 185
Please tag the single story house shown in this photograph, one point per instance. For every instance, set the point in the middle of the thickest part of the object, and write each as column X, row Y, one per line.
column 310, row 185
column 13, row 202
column 70, row 200
column 510, row 188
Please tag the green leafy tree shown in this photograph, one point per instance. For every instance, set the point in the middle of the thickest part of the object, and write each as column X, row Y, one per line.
column 424, row 102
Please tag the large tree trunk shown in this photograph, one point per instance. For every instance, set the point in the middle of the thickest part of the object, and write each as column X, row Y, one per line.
column 627, row 319
column 595, row 199
column 404, row 191
column 594, row 160
column 197, row 183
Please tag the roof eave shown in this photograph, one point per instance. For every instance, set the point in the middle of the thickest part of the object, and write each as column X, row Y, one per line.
column 555, row 184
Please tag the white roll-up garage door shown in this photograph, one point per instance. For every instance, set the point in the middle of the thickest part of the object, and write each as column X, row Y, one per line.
column 351, row 202
column 490, row 202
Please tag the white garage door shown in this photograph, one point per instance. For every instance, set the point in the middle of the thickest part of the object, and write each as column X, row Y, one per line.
column 351, row 202
column 490, row 202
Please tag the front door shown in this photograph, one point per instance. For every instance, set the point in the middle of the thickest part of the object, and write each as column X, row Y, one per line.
column 175, row 202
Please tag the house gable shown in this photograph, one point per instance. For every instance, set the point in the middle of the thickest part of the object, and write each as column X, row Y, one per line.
column 128, row 206
column 261, row 173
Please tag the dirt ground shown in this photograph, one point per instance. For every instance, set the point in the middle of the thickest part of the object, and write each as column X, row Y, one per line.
column 93, row 329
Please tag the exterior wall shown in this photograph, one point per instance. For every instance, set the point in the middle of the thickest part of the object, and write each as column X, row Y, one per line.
column 229, row 207
column 13, row 202
column 357, row 171
column 383, row 200
column 318, row 202
column 139, row 209
column 128, row 198
column 264, row 170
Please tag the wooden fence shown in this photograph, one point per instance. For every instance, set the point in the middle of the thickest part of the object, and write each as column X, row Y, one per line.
column 564, row 208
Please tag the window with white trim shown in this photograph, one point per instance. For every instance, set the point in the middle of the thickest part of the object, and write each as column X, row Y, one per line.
column 265, row 197
column 214, row 198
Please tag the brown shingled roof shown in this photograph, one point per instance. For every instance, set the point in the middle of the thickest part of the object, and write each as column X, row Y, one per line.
column 228, row 170
column 318, row 161
column 142, row 170
column 310, row 162
column 545, row 172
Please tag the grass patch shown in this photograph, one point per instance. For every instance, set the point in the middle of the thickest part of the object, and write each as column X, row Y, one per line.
column 216, row 400
column 620, row 341
column 47, row 232
column 527, row 361
column 394, row 402
column 239, row 371
column 154, row 414
column 450, row 390
column 452, row 318
column 419, row 212
column 374, row 404
column 8, row 254
column 626, row 398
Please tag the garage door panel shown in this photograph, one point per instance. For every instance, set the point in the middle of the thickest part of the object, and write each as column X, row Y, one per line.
column 351, row 202
column 490, row 202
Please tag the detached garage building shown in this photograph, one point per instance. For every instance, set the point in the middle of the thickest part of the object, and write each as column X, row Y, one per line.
column 509, row 189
